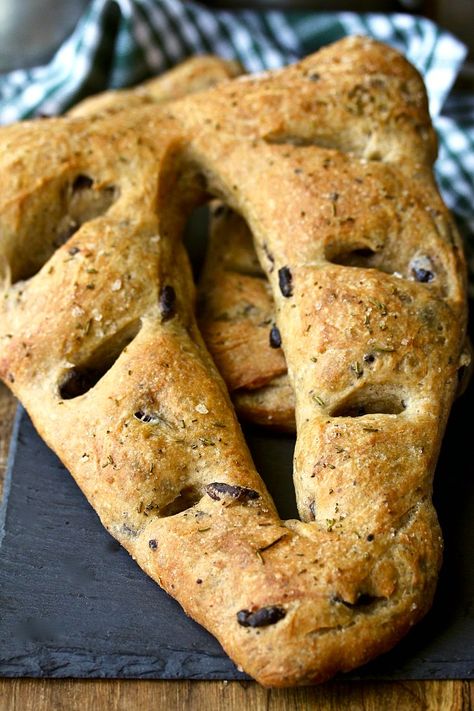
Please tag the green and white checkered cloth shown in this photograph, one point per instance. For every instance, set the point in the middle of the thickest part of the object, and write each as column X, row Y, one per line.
column 120, row 42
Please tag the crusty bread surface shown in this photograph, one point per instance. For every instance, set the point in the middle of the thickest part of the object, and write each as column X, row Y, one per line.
column 236, row 316
column 329, row 162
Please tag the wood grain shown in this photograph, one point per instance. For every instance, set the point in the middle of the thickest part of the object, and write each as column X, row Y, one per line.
column 69, row 695
column 122, row 695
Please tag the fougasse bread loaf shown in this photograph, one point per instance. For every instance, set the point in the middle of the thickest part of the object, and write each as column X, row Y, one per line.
column 327, row 158
column 236, row 316
column 260, row 388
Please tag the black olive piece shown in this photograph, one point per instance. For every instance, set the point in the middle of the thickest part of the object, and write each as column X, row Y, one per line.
column 82, row 182
column 143, row 416
column 285, row 281
column 261, row 618
column 152, row 543
column 167, row 302
column 275, row 337
column 422, row 275
column 369, row 358
column 216, row 490
column 370, row 537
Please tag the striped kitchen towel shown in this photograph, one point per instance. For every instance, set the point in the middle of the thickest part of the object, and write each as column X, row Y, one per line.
column 120, row 42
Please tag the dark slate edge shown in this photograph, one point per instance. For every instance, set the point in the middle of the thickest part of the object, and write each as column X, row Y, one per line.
column 195, row 663
column 68, row 663
column 188, row 665
column 47, row 661
column 7, row 483
column 421, row 670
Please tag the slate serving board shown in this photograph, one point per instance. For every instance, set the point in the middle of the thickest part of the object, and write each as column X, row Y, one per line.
column 74, row 604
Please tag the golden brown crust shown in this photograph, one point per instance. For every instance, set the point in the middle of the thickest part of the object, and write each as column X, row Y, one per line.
column 235, row 314
column 234, row 310
column 238, row 345
column 237, row 321
column 154, row 444
column 271, row 405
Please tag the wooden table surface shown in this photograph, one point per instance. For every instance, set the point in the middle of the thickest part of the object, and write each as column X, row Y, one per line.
column 125, row 695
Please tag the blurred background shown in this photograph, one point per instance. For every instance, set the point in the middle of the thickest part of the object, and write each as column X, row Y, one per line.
column 31, row 30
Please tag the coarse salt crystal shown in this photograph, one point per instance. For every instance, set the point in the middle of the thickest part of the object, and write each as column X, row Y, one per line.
column 77, row 310
column 117, row 285
column 201, row 408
